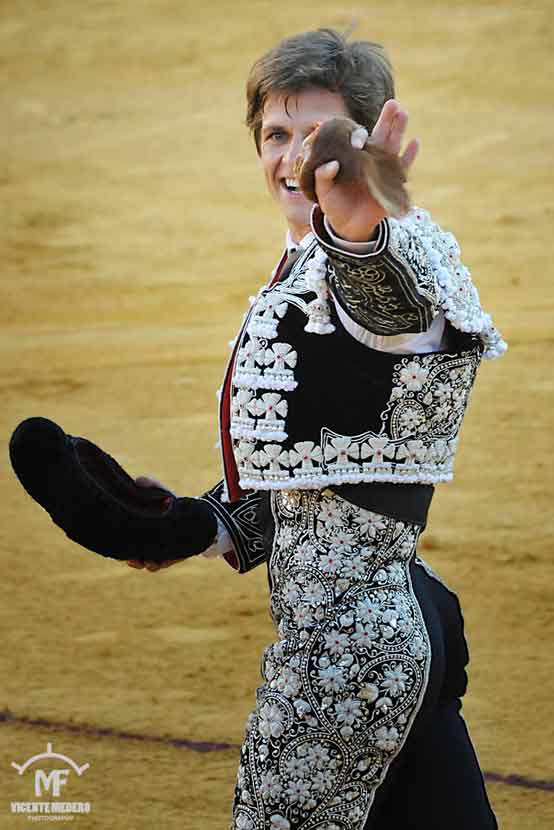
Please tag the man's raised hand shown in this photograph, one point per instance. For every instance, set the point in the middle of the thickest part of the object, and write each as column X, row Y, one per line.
column 370, row 186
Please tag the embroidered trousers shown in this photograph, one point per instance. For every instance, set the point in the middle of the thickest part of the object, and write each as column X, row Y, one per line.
column 357, row 716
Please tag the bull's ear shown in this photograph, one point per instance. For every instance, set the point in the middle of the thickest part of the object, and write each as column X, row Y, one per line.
column 358, row 138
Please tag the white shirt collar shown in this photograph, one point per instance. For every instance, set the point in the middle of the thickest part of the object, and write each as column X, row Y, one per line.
column 291, row 245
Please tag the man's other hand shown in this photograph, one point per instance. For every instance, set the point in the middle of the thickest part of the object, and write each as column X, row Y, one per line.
column 150, row 481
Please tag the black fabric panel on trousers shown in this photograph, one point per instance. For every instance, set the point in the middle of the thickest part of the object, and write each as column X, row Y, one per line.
column 436, row 782
column 432, row 592
column 440, row 784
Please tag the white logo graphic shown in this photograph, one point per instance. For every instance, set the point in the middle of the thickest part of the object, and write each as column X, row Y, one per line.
column 50, row 782
column 55, row 778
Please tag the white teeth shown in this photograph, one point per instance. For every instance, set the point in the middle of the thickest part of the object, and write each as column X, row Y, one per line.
column 291, row 183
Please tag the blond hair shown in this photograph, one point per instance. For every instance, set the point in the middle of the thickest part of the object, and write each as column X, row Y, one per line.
column 359, row 71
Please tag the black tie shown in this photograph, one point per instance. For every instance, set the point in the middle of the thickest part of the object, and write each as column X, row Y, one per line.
column 289, row 262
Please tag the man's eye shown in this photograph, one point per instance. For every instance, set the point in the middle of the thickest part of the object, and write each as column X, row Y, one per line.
column 276, row 135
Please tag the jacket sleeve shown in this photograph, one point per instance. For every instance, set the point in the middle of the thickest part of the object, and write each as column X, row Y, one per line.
column 246, row 522
column 394, row 288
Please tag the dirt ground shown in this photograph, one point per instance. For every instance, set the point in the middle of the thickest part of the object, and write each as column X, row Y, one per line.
column 135, row 227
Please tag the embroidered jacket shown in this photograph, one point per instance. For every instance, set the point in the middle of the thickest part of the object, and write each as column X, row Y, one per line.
column 310, row 406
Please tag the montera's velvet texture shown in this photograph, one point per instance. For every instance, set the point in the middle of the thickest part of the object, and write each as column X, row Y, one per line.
column 98, row 505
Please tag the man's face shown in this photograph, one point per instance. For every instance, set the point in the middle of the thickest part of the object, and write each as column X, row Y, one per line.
column 282, row 133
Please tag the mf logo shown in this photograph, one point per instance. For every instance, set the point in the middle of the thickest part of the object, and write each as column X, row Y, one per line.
column 56, row 778
column 53, row 780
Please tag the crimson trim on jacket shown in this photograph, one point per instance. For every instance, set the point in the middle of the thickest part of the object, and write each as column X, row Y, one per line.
column 231, row 474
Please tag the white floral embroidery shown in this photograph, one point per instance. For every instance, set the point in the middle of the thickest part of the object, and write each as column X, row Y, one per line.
column 244, row 452
column 265, row 409
column 244, row 822
column 329, row 513
column 413, row 376
column 387, row 739
column 442, row 390
column 269, row 406
column 330, row 562
column 377, row 449
column 252, row 354
column 279, row 822
column 279, row 356
column 342, row 449
column 332, row 695
column 395, row 575
column 286, row 535
column 364, row 636
column 348, row 711
column 274, row 456
column 341, row 539
column 288, row 682
column 305, row 453
column 267, row 313
column 367, row 610
column 369, row 523
column 410, row 420
column 239, row 405
column 314, row 593
column 291, row 591
column 280, row 359
column 413, row 451
column 354, row 568
column 272, row 721
column 417, row 648
column 318, row 756
column 270, row 786
column 332, row 678
column 395, row 680
column 335, row 642
column 305, row 552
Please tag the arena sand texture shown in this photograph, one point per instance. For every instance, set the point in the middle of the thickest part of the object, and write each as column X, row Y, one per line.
column 135, row 225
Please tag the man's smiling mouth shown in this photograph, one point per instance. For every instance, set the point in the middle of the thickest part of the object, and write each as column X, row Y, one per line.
column 290, row 185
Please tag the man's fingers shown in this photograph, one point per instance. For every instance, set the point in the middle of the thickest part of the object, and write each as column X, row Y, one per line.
column 389, row 131
column 396, row 133
column 384, row 122
column 326, row 172
column 148, row 481
column 153, row 566
column 409, row 155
